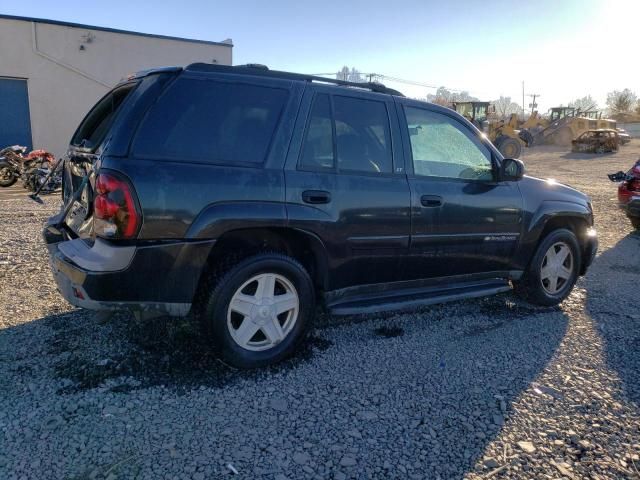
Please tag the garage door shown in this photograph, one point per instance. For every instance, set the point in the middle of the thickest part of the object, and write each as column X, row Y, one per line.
column 15, row 122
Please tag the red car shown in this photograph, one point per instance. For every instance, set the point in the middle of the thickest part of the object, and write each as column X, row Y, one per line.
column 629, row 192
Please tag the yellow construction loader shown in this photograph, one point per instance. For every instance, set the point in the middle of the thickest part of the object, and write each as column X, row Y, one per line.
column 601, row 123
column 567, row 123
column 504, row 134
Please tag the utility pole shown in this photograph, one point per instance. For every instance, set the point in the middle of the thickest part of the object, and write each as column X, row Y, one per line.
column 533, row 103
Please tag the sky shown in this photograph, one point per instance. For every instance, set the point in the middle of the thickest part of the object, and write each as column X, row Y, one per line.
column 561, row 49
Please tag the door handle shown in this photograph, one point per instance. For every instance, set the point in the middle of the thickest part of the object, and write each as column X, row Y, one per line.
column 431, row 201
column 316, row 197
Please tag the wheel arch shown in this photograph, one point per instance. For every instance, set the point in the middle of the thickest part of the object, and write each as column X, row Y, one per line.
column 551, row 216
column 237, row 244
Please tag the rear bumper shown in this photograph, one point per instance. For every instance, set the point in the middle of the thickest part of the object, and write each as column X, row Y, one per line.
column 160, row 277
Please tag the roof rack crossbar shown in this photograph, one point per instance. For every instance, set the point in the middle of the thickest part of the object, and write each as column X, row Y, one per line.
column 262, row 71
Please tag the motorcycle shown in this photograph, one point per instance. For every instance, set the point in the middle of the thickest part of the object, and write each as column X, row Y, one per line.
column 629, row 192
column 11, row 164
column 36, row 169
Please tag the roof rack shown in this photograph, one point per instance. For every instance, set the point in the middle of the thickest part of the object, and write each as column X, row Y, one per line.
column 263, row 70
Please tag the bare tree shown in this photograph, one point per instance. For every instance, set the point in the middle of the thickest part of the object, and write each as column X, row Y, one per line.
column 343, row 74
column 445, row 97
column 584, row 104
column 505, row 107
column 355, row 76
column 621, row 102
column 349, row 75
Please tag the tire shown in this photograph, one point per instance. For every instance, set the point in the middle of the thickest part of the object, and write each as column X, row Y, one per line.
column 509, row 147
column 534, row 286
column 635, row 222
column 230, row 331
column 6, row 179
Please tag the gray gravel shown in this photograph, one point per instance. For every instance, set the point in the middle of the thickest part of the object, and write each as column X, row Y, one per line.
column 489, row 388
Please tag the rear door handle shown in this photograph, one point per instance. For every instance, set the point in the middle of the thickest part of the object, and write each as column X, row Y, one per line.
column 316, row 197
column 431, row 201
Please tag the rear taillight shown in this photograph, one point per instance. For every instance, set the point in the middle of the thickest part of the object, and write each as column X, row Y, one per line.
column 115, row 210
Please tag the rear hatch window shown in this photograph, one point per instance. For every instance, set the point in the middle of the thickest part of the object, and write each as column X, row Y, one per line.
column 95, row 125
column 77, row 190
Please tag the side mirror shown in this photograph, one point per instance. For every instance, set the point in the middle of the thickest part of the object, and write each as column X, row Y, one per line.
column 511, row 170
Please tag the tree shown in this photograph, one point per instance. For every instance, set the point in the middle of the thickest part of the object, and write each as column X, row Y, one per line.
column 505, row 107
column 349, row 75
column 445, row 97
column 343, row 74
column 621, row 102
column 584, row 104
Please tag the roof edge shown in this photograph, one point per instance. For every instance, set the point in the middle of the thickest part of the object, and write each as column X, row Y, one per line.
column 111, row 30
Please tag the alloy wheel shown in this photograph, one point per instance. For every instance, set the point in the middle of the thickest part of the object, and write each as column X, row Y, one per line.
column 263, row 311
column 557, row 268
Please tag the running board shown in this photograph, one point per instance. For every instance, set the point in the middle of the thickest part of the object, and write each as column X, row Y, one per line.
column 413, row 298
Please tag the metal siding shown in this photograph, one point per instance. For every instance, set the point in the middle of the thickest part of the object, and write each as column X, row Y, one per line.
column 15, row 120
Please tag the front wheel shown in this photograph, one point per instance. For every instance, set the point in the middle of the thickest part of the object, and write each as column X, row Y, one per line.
column 7, row 178
column 553, row 270
column 260, row 310
column 509, row 147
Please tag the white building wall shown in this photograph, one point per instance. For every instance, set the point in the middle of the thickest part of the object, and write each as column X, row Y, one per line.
column 65, row 81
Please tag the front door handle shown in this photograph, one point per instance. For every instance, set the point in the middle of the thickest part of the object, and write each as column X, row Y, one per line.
column 431, row 201
column 316, row 197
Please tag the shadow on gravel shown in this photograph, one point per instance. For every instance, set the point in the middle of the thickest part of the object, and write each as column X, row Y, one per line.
column 586, row 156
column 119, row 354
column 614, row 305
column 435, row 394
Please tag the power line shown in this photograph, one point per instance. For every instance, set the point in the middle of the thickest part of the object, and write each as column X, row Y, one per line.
column 380, row 76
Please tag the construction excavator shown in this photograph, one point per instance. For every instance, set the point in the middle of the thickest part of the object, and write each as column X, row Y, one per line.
column 565, row 124
column 506, row 135
column 601, row 123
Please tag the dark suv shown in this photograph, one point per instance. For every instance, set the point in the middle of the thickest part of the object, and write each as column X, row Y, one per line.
column 243, row 196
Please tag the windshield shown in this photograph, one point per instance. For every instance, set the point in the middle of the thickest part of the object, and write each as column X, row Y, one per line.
column 465, row 109
column 481, row 112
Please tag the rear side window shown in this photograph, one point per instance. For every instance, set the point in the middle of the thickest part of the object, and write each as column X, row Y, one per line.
column 317, row 151
column 95, row 125
column 211, row 122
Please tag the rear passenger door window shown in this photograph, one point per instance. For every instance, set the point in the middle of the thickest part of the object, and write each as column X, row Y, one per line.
column 212, row 122
column 363, row 141
column 348, row 134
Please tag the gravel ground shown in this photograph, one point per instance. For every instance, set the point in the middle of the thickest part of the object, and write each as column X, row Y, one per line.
column 488, row 388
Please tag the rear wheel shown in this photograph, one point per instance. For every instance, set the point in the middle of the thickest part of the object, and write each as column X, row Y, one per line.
column 509, row 147
column 259, row 310
column 6, row 177
column 553, row 270
column 635, row 221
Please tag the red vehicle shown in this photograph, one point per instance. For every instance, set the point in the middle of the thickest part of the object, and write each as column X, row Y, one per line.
column 629, row 192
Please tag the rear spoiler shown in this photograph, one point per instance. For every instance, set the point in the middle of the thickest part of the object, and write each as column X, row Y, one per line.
column 151, row 71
